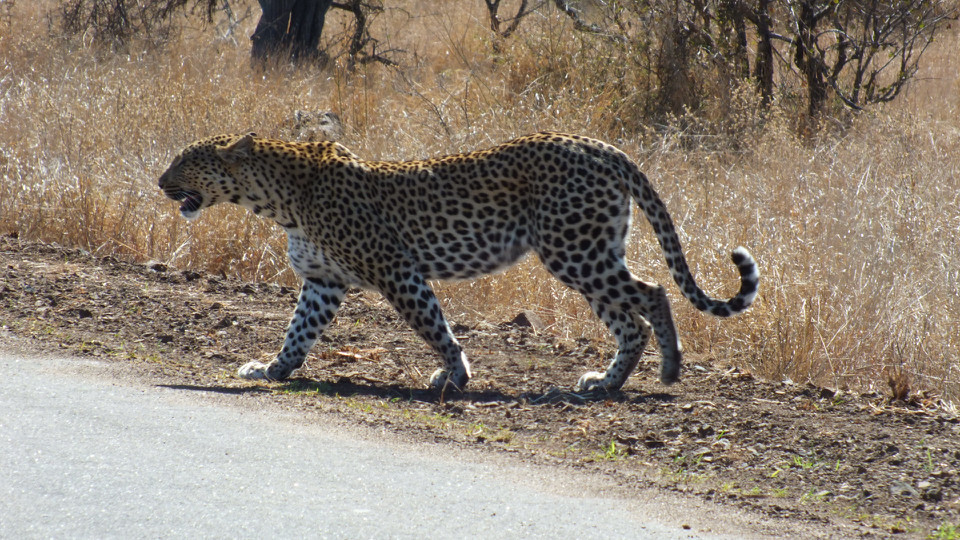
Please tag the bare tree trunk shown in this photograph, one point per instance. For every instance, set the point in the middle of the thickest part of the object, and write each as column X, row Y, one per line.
column 806, row 57
column 764, row 60
column 289, row 30
column 677, row 91
column 729, row 16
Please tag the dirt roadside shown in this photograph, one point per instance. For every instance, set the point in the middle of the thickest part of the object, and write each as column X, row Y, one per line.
column 870, row 465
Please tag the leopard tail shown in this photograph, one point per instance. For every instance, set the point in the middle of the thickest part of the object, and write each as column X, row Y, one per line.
column 656, row 213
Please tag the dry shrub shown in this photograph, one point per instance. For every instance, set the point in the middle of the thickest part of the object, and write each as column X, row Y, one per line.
column 854, row 230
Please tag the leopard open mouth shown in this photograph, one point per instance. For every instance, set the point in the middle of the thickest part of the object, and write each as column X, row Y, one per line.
column 192, row 201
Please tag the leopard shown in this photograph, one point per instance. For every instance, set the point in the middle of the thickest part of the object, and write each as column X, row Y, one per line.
column 392, row 226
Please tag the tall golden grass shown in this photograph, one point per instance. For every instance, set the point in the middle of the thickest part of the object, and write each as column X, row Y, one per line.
column 855, row 230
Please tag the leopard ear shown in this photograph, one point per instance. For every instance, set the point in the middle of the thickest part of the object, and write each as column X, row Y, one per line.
column 238, row 149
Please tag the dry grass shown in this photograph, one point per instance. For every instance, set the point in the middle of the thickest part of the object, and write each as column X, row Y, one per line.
column 856, row 233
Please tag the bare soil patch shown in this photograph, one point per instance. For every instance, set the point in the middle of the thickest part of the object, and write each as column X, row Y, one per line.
column 870, row 464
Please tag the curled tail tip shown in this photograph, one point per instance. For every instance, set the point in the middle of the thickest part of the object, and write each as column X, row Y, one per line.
column 741, row 257
column 749, row 280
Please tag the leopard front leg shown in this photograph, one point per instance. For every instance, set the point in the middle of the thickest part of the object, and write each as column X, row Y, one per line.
column 316, row 307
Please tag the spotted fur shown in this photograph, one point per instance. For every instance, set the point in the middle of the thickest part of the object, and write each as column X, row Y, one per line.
column 391, row 226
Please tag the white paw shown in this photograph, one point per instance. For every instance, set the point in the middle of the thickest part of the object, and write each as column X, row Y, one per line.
column 591, row 381
column 254, row 371
column 441, row 379
column 438, row 379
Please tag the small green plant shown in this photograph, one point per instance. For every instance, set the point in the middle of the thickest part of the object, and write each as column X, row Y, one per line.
column 435, row 420
column 814, row 495
column 801, row 462
column 946, row 531
column 928, row 464
column 304, row 387
column 503, row 435
column 609, row 452
column 359, row 405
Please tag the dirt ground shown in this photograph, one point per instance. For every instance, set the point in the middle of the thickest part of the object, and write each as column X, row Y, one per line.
column 873, row 465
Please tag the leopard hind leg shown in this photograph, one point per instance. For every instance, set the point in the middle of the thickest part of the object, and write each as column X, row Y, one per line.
column 630, row 308
column 632, row 333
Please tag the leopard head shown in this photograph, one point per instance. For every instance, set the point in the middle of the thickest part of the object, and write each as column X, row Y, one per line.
column 200, row 176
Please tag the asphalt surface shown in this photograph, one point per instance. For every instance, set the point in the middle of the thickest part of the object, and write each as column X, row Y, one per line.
column 87, row 455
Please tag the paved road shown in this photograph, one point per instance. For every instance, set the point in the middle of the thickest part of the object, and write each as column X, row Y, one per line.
column 83, row 455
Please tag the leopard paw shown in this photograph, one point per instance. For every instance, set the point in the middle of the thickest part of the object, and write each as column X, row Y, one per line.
column 256, row 371
column 591, row 381
column 442, row 378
